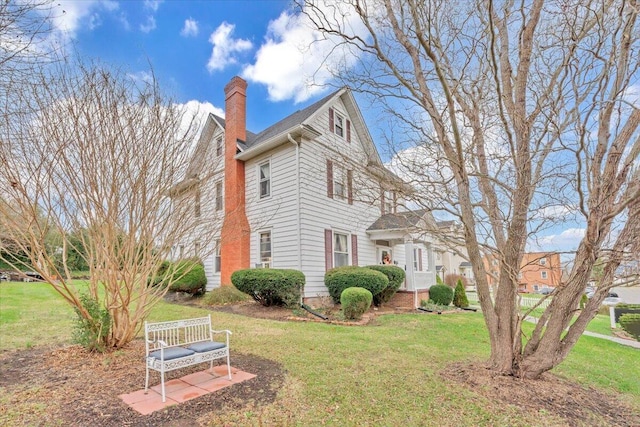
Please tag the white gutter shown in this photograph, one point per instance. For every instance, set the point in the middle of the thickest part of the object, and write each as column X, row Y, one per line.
column 293, row 141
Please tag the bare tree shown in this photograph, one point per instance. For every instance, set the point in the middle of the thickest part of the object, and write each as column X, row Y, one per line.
column 94, row 159
column 511, row 116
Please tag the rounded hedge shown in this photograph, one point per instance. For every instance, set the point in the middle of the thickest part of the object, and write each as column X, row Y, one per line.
column 441, row 294
column 188, row 276
column 355, row 302
column 340, row 278
column 270, row 286
column 630, row 322
column 395, row 275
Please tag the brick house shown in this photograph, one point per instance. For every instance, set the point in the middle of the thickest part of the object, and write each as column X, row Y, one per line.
column 309, row 193
column 539, row 271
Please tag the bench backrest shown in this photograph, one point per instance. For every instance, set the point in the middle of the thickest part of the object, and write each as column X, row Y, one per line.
column 177, row 332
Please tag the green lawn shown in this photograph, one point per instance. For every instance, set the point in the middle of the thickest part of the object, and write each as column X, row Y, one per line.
column 386, row 374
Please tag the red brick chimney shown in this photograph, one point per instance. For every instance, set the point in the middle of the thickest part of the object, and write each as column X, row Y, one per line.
column 234, row 252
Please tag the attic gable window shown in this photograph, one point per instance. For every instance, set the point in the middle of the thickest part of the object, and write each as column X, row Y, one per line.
column 339, row 125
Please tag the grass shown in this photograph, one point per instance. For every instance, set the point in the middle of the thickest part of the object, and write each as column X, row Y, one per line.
column 385, row 374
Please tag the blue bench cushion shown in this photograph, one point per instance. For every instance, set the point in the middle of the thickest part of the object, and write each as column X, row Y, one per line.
column 172, row 353
column 203, row 347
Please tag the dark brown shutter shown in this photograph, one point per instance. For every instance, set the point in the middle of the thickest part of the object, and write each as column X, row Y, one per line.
column 382, row 212
column 354, row 249
column 329, row 179
column 328, row 249
column 348, row 131
column 419, row 259
column 350, row 186
column 331, row 128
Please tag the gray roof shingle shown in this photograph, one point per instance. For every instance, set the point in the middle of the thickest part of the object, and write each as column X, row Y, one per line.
column 398, row 221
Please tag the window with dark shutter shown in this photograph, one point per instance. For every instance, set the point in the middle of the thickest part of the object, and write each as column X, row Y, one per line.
column 350, row 187
column 348, row 130
column 354, row 249
column 329, row 179
column 328, row 249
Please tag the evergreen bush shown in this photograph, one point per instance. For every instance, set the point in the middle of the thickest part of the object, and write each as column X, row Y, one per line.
column 621, row 309
column 340, row 278
column 460, row 296
column 270, row 286
column 441, row 294
column 355, row 302
column 395, row 275
column 630, row 322
column 224, row 295
column 91, row 333
column 189, row 277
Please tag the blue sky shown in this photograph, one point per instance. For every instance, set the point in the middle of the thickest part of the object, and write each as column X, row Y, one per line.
column 196, row 47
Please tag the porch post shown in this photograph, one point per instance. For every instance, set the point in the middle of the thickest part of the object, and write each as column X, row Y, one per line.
column 409, row 271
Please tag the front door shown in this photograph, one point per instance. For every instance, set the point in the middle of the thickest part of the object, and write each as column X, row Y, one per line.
column 384, row 255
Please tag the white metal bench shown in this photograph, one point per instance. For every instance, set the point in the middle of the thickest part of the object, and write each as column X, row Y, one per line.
column 181, row 343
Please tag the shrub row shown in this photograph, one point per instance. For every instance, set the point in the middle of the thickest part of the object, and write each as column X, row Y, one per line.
column 631, row 324
column 395, row 275
column 381, row 280
column 183, row 276
column 270, row 286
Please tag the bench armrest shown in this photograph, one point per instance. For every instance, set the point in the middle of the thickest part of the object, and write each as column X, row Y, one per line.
column 224, row 331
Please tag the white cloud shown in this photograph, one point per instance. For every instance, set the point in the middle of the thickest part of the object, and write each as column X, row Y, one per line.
column 152, row 4
column 148, row 26
column 190, row 28
column 296, row 60
column 224, row 46
column 567, row 240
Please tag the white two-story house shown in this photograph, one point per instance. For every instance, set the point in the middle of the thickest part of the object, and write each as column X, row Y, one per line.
column 308, row 193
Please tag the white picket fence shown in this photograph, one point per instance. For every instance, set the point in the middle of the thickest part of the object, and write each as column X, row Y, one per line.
column 525, row 301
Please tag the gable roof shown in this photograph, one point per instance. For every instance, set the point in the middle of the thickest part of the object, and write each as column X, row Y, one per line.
column 399, row 221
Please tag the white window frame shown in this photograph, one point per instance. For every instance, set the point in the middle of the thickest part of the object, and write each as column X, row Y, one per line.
column 339, row 178
column 337, row 253
column 543, row 261
column 217, row 259
column 219, row 195
column 544, row 274
column 416, row 262
column 536, row 288
column 389, row 206
column 266, row 180
column 219, row 147
column 265, row 261
column 339, row 122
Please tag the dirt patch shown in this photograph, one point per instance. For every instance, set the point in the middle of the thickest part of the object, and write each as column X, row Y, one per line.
column 72, row 387
column 575, row 404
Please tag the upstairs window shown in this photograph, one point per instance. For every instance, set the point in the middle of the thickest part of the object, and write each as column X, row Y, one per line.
column 218, row 195
column 388, row 202
column 543, row 261
column 265, row 179
column 339, row 182
column 339, row 125
column 543, row 274
column 219, row 147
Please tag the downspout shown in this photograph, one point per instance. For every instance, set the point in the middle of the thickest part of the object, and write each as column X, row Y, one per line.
column 294, row 142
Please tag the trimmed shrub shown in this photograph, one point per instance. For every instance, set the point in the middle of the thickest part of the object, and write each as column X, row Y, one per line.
column 224, row 295
column 621, row 309
column 631, row 324
column 441, row 294
column 340, row 278
column 439, row 280
column 460, row 296
column 395, row 275
column 355, row 302
column 270, row 286
column 188, row 276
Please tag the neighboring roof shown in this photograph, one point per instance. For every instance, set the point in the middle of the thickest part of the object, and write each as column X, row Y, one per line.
column 399, row 221
column 443, row 224
column 465, row 264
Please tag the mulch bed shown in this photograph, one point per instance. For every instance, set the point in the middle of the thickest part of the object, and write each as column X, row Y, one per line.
column 81, row 389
